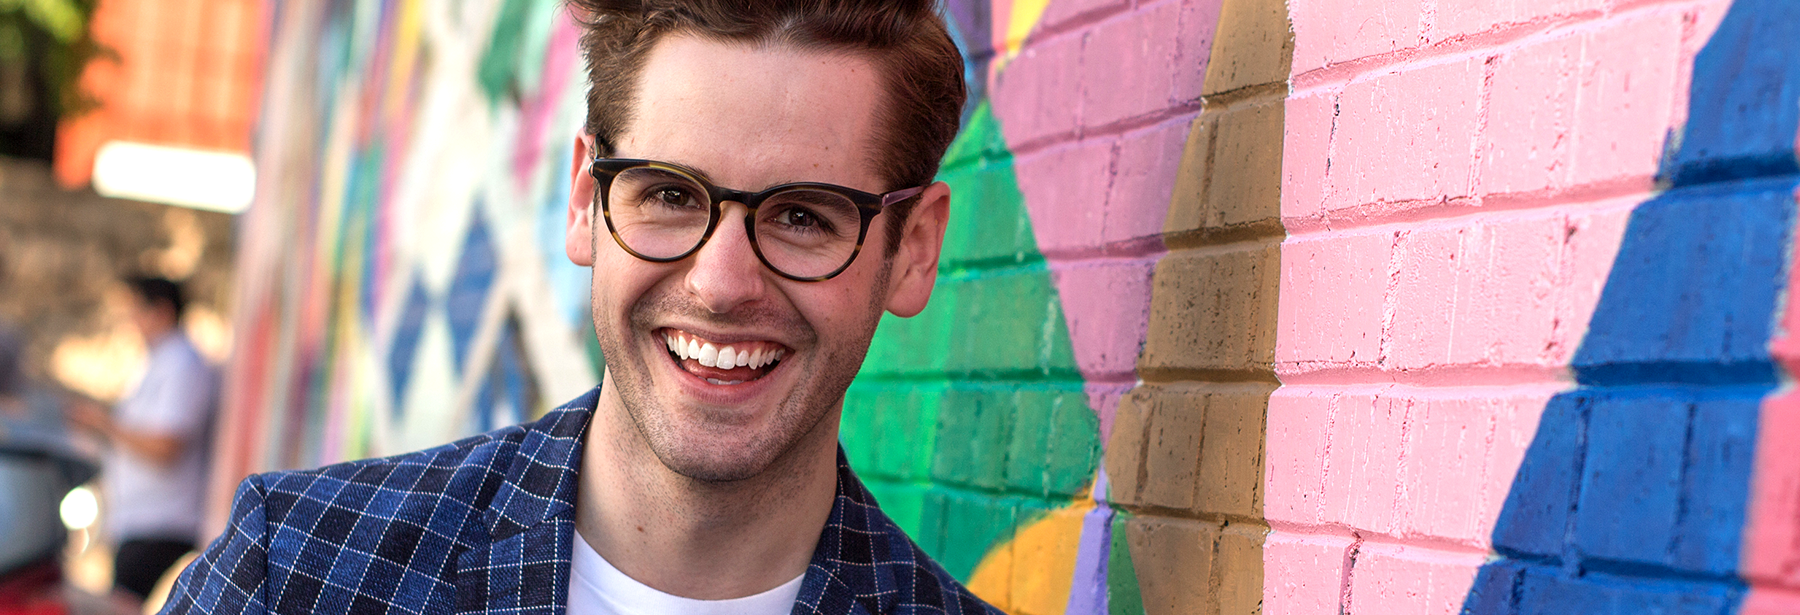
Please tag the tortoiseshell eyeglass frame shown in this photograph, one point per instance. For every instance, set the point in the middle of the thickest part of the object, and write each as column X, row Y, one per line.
column 868, row 204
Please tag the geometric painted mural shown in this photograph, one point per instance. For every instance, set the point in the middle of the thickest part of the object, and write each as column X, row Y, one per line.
column 1304, row 306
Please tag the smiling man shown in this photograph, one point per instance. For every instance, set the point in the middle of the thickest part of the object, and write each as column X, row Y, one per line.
column 753, row 189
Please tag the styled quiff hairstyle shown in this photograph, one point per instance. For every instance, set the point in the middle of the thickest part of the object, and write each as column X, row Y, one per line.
column 921, row 69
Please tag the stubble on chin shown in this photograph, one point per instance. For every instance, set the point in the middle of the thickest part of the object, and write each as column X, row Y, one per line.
column 712, row 449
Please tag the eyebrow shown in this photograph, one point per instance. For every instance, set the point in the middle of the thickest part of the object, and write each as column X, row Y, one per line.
column 697, row 170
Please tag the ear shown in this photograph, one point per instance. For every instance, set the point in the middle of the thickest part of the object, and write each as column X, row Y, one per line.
column 915, row 263
column 578, row 239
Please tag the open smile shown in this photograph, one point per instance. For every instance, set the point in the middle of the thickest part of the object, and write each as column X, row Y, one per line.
column 722, row 364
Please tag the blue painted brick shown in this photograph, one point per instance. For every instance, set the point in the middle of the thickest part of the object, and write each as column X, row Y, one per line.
column 1535, row 517
column 1496, row 589
column 1692, row 293
column 1631, row 478
column 1742, row 116
column 1716, row 489
column 1546, row 590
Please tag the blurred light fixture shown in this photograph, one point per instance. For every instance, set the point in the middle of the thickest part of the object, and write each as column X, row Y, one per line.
column 80, row 508
column 214, row 181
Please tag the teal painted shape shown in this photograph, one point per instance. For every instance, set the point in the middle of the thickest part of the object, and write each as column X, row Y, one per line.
column 1122, row 595
column 970, row 420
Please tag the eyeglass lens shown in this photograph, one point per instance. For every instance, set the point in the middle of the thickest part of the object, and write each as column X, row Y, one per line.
column 802, row 232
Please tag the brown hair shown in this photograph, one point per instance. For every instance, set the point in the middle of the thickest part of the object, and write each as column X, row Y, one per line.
column 906, row 39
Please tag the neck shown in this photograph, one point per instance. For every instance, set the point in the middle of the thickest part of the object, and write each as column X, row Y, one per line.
column 697, row 539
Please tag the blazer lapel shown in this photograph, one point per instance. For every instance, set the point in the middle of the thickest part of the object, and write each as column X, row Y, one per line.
column 524, row 566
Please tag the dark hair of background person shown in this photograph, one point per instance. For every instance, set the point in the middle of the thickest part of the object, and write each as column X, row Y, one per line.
column 154, row 290
column 907, row 40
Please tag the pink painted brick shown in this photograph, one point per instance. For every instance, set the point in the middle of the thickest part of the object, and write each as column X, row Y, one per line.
column 1125, row 64
column 1406, row 136
column 1332, row 31
column 1332, row 292
column 1304, row 574
column 1364, row 473
column 1445, row 459
column 1771, row 601
column 1408, row 580
column 1463, row 17
column 1037, row 95
column 1584, row 108
column 1107, row 307
column 1772, row 535
column 1199, row 22
column 1062, row 14
column 1299, row 431
column 1148, row 161
column 1065, row 191
column 1483, row 293
column 1593, row 237
column 1530, row 116
column 1103, row 399
column 1451, row 463
column 1305, row 156
column 1630, row 74
column 1515, row 427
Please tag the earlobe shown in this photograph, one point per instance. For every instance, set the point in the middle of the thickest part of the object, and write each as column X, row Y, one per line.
column 578, row 239
column 916, row 261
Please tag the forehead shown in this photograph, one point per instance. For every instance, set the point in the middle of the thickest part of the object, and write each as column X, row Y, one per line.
column 752, row 115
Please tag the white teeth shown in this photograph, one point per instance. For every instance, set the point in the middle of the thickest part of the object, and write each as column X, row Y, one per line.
column 728, row 357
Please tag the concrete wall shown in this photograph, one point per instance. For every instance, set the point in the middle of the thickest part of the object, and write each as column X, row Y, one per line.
column 1377, row 306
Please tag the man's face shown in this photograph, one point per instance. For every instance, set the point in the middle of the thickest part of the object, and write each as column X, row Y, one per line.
column 749, row 117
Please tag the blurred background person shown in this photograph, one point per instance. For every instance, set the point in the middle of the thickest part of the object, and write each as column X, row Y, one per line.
column 158, row 435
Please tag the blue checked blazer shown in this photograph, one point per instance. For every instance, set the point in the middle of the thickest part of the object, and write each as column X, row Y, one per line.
column 485, row 525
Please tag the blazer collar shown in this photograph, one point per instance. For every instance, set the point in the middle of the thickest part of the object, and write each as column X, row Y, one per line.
column 524, row 566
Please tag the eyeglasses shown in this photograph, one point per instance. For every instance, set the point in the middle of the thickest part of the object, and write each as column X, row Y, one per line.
column 806, row 231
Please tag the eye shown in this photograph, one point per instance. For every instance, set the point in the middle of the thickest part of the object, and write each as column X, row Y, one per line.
column 673, row 196
column 797, row 217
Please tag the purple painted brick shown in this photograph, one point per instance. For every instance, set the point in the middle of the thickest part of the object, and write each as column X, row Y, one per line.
column 1148, row 161
column 1065, row 190
column 1125, row 65
column 1038, row 94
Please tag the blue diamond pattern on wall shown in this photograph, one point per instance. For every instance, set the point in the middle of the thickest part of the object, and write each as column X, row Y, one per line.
column 406, row 341
column 469, row 287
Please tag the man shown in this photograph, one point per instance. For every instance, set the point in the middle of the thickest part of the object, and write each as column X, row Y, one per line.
column 155, row 469
column 752, row 190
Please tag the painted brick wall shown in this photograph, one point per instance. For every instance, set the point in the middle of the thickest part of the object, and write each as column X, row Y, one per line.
column 1304, row 306
column 1534, row 256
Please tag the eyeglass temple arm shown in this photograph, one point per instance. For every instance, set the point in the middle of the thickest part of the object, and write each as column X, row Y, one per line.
column 897, row 196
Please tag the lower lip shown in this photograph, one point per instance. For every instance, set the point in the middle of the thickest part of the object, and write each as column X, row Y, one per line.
column 715, row 394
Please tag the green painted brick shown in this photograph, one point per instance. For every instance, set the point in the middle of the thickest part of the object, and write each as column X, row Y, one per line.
column 1074, row 445
column 1122, row 596
column 974, row 427
column 981, row 139
column 1010, row 324
column 904, row 503
column 971, row 524
column 988, row 220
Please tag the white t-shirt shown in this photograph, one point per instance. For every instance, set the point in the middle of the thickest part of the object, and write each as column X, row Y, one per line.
column 597, row 588
column 175, row 398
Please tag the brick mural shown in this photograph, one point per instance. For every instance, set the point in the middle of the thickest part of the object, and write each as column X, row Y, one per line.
column 1317, row 306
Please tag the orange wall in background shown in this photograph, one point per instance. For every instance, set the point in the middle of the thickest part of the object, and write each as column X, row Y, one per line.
column 188, row 74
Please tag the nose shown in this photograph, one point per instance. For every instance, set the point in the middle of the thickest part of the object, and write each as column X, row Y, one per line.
column 725, row 272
